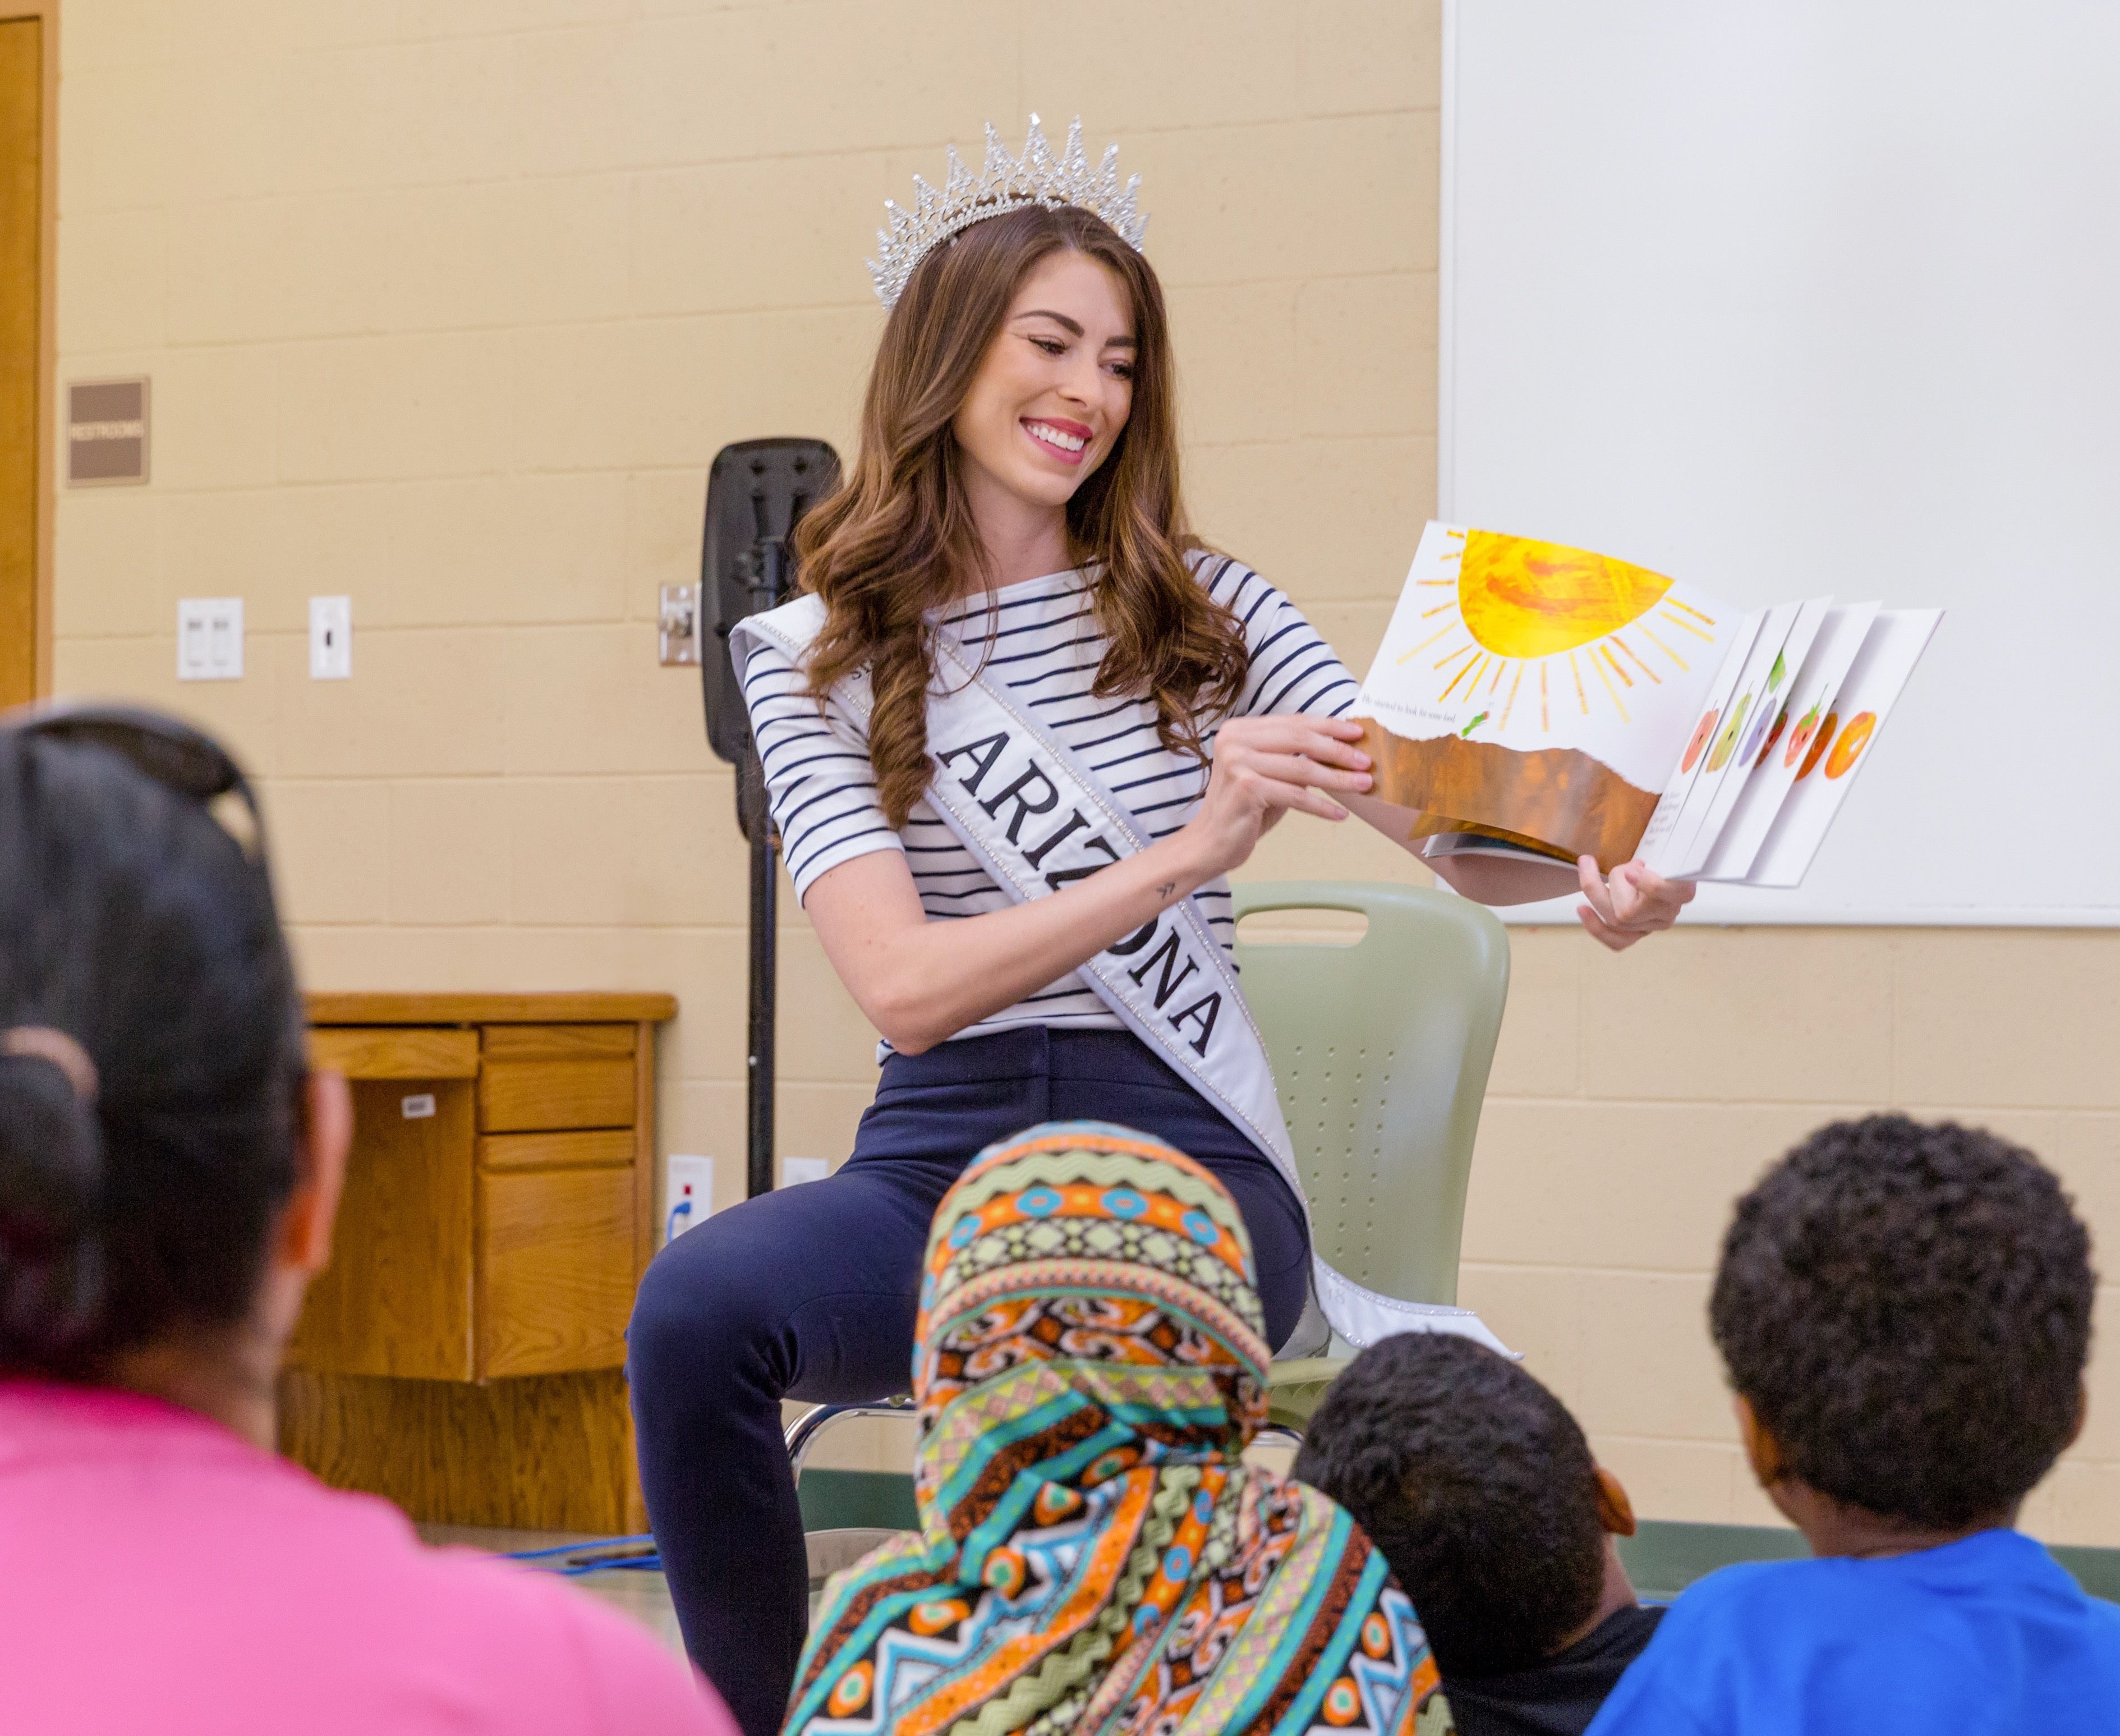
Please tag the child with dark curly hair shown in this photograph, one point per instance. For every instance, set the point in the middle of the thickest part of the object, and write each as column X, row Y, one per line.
column 1481, row 1491
column 1904, row 1311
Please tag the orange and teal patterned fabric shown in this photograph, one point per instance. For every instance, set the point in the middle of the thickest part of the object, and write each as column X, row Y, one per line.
column 1095, row 1557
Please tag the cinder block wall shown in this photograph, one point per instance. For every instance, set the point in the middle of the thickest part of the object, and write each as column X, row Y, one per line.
column 447, row 307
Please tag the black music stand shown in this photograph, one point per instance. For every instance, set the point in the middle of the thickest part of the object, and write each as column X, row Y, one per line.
column 757, row 491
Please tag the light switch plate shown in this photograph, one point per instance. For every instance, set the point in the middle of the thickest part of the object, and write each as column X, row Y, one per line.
column 691, row 1194
column 796, row 1170
column 210, row 639
column 331, row 639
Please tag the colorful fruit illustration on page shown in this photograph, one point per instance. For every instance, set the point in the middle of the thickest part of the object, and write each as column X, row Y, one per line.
column 1853, row 739
column 1800, row 738
column 1818, row 745
column 1781, row 722
column 1725, row 742
column 1701, row 732
column 1759, row 729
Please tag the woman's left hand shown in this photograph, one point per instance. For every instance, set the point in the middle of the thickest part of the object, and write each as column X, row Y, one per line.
column 1635, row 900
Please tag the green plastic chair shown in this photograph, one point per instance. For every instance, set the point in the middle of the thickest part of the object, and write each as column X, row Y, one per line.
column 1381, row 1051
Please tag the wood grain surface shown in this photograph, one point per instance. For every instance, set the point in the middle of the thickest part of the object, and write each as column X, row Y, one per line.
column 560, row 1042
column 554, row 1270
column 531, row 1096
column 21, row 233
column 361, row 1007
column 595, row 1149
column 553, row 1454
column 396, row 1297
column 387, row 1052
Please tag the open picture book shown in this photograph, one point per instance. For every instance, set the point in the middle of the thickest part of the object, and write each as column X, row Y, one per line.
column 1533, row 700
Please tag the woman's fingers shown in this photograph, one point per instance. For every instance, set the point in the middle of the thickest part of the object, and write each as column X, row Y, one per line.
column 1323, row 739
column 1635, row 900
column 1618, row 939
column 1274, row 794
column 1595, row 889
column 1295, row 768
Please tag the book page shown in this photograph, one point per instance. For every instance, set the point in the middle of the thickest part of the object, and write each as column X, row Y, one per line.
column 1750, row 739
column 1680, row 851
column 1811, row 697
column 1672, row 803
column 1537, row 689
column 1894, row 645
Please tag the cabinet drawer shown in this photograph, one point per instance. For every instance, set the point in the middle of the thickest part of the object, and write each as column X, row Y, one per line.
column 569, row 1150
column 532, row 1096
column 379, row 1052
column 554, row 1270
column 559, row 1042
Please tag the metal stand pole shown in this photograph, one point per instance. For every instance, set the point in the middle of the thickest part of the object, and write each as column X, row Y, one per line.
column 768, row 587
column 764, row 897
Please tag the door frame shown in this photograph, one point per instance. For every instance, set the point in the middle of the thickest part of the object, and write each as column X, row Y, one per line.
column 47, row 13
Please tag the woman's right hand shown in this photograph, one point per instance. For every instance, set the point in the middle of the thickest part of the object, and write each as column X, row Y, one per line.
column 1264, row 766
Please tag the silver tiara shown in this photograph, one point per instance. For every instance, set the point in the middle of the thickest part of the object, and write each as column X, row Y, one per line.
column 1005, row 184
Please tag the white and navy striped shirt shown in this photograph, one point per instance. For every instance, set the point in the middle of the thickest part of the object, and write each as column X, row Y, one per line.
column 1039, row 638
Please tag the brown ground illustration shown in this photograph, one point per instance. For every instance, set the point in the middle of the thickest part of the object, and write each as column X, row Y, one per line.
column 1556, row 797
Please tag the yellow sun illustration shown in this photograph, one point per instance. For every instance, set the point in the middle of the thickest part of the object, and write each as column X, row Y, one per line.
column 1515, row 601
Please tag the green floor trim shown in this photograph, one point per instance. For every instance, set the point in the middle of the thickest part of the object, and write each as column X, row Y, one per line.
column 1665, row 1556
column 1662, row 1558
column 835, row 1500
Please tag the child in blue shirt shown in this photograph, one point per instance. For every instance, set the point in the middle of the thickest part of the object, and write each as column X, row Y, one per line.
column 1905, row 1313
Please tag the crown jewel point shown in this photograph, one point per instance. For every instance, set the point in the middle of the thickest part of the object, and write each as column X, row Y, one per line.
column 1004, row 184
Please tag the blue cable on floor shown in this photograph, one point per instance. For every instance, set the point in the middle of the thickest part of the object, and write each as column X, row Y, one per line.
column 652, row 1561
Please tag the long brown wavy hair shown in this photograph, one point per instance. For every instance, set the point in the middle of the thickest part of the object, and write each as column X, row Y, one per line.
column 897, row 539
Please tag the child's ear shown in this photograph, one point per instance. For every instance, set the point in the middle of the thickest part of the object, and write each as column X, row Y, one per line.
column 1761, row 1449
column 1615, row 1513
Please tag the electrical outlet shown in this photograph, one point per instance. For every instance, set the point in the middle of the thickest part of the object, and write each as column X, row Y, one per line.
column 331, row 639
column 691, row 1194
column 210, row 639
column 796, row 1170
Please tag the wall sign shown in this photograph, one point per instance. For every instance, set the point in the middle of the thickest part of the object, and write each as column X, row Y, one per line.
column 106, row 432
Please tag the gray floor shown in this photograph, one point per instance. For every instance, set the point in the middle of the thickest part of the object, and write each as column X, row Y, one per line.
column 643, row 1594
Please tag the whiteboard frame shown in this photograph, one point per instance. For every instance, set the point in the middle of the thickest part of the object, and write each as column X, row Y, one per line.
column 1717, row 905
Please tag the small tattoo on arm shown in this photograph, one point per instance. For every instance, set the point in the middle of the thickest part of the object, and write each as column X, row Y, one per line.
column 1166, row 889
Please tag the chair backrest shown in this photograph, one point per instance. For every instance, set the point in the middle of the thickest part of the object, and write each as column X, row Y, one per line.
column 1381, row 1050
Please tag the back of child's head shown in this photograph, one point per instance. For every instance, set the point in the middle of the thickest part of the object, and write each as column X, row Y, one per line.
column 1906, row 1309
column 150, row 1060
column 1479, row 1487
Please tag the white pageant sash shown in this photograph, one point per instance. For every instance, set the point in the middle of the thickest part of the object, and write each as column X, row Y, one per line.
column 1037, row 820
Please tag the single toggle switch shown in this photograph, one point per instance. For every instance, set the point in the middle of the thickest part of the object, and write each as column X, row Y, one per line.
column 331, row 639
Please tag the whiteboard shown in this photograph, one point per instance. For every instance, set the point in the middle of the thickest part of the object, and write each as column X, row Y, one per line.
column 1823, row 295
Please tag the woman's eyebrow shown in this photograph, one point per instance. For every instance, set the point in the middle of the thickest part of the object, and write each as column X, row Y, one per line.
column 1075, row 326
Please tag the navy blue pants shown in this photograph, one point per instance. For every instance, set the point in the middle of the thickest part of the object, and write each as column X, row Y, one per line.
column 810, row 1293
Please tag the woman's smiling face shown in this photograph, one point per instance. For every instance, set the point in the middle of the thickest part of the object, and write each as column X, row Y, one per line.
column 1051, row 397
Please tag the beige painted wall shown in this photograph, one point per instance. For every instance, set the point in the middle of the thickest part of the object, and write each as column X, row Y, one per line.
column 447, row 307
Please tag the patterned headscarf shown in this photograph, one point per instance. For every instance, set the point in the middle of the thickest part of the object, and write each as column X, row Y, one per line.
column 1093, row 1555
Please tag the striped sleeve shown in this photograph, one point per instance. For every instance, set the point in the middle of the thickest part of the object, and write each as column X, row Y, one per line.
column 817, row 773
column 1292, row 669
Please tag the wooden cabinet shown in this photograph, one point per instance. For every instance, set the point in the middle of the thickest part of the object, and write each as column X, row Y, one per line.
column 464, row 1353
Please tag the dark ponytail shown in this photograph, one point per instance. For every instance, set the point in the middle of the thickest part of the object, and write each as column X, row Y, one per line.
column 150, row 1060
column 51, row 1187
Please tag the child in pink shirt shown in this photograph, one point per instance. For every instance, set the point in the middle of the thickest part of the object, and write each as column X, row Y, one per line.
column 168, row 1170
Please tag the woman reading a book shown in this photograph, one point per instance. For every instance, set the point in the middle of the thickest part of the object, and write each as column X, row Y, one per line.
column 1017, row 730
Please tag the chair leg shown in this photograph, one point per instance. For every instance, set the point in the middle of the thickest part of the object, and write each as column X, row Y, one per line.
column 803, row 1431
